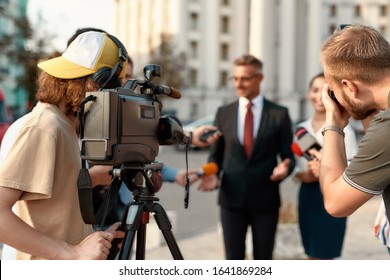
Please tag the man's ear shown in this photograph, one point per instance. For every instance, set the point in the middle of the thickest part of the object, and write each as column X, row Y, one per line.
column 352, row 87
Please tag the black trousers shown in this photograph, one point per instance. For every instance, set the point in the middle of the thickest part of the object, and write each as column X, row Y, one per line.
column 235, row 223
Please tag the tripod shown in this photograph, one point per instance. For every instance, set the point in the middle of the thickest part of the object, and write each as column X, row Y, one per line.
column 137, row 213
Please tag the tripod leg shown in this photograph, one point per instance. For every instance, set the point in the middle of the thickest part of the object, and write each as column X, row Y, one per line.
column 131, row 223
column 141, row 237
column 166, row 227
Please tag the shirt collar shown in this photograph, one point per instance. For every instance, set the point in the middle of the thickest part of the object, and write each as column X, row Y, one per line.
column 257, row 101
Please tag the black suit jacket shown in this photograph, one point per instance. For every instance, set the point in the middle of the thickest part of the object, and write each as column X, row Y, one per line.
column 245, row 181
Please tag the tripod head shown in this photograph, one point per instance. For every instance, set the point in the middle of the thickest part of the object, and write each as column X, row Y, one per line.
column 134, row 176
column 143, row 180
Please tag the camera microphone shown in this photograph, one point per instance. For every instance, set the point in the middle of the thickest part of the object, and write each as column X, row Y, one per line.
column 208, row 169
column 304, row 143
column 168, row 91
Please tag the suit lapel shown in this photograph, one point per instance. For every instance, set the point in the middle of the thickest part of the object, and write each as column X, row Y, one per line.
column 233, row 115
column 232, row 119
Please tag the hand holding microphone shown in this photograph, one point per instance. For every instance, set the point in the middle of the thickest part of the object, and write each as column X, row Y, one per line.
column 204, row 173
column 201, row 140
column 208, row 169
column 194, row 175
column 208, row 176
column 304, row 143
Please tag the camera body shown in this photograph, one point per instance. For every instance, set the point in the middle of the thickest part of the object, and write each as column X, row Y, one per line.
column 124, row 126
column 120, row 126
column 331, row 95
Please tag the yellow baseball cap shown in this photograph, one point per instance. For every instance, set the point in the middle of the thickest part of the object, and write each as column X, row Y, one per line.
column 89, row 52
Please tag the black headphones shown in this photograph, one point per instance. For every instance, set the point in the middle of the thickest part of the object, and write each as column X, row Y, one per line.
column 107, row 77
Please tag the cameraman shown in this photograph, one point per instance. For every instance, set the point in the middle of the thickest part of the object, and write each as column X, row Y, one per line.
column 44, row 188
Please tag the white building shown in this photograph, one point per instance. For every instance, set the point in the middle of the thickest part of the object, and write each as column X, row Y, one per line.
column 285, row 34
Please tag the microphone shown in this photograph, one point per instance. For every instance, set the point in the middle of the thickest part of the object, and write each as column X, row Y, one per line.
column 208, row 169
column 304, row 144
column 168, row 91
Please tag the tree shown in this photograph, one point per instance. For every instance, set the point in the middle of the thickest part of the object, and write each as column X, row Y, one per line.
column 173, row 65
column 35, row 49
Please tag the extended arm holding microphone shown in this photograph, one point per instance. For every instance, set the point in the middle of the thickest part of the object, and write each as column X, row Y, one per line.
column 199, row 131
column 304, row 143
column 303, row 147
column 209, row 177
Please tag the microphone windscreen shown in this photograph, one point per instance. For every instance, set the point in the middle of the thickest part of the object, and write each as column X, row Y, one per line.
column 296, row 149
column 210, row 169
column 175, row 93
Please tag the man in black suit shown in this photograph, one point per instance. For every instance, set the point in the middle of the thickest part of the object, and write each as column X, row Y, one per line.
column 250, row 173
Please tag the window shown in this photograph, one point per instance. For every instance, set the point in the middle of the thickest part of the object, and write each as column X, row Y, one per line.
column 193, row 77
column 225, row 2
column 194, row 21
column 224, row 52
column 383, row 10
column 194, row 49
column 333, row 10
column 224, row 79
column 225, row 24
column 358, row 11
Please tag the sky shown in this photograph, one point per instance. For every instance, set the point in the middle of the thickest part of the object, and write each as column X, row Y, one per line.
column 63, row 17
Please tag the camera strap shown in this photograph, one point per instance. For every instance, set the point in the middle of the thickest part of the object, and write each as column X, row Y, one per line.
column 109, row 201
column 84, row 182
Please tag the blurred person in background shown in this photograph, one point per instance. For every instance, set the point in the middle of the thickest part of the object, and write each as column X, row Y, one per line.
column 322, row 235
column 255, row 134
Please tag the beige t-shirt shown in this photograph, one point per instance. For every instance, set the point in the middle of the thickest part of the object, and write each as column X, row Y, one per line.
column 44, row 163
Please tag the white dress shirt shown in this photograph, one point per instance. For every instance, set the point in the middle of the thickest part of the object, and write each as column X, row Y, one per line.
column 257, row 109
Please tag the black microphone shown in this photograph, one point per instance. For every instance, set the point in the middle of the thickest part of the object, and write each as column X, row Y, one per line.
column 304, row 143
column 168, row 91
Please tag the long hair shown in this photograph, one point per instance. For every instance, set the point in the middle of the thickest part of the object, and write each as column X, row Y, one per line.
column 52, row 90
column 319, row 75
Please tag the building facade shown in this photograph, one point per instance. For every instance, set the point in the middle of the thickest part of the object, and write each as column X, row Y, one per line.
column 285, row 34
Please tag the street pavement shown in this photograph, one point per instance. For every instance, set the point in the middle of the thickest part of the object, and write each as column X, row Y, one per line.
column 359, row 243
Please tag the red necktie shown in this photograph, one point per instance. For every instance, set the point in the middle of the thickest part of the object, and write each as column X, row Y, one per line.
column 248, row 130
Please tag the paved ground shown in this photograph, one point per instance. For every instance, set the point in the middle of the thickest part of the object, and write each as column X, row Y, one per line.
column 359, row 242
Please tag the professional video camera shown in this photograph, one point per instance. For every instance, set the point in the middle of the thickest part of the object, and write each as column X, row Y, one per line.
column 123, row 125
column 123, row 128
